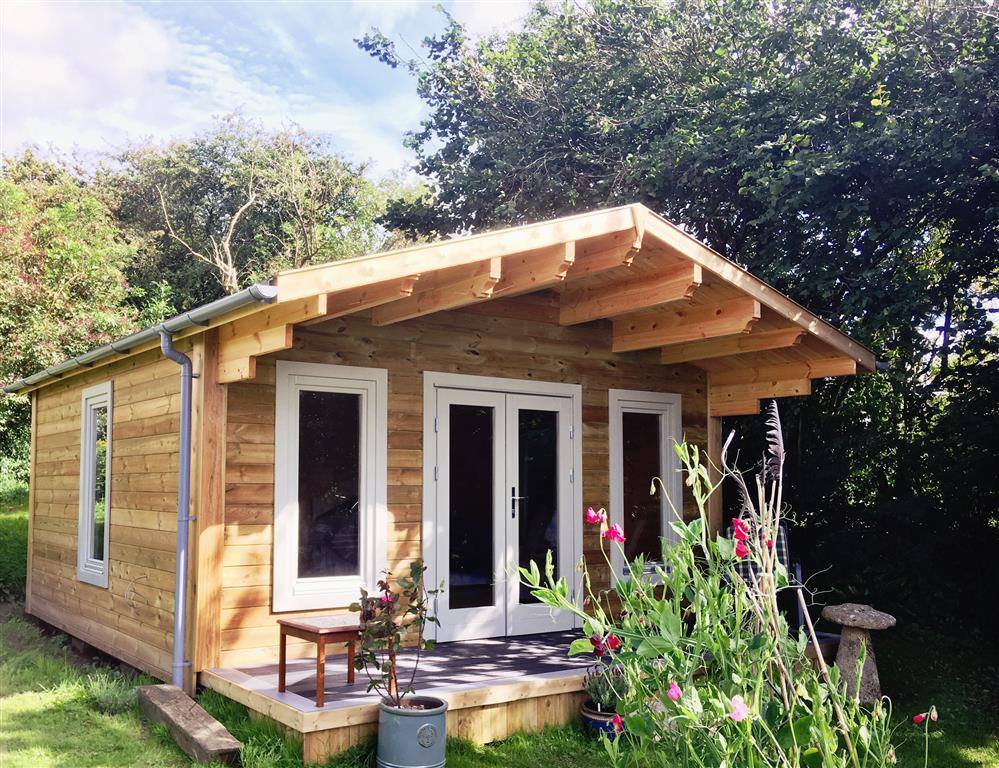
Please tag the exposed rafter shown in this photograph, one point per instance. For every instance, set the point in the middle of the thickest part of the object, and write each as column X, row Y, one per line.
column 269, row 330
column 366, row 297
column 445, row 289
column 674, row 285
column 811, row 369
column 535, row 271
column 661, row 328
column 756, row 341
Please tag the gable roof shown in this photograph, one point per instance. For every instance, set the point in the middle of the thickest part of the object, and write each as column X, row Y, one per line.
column 659, row 287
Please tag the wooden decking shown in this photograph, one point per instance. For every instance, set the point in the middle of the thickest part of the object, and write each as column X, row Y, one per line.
column 494, row 687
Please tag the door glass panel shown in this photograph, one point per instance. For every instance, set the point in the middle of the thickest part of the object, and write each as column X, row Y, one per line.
column 538, row 473
column 470, row 483
column 329, row 474
column 642, row 462
column 100, row 482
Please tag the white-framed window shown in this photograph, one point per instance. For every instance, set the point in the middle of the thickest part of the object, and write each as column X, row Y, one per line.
column 644, row 427
column 95, row 486
column 330, row 480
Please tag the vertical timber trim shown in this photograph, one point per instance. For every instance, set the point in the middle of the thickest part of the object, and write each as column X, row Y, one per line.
column 207, row 489
column 715, row 509
column 32, row 478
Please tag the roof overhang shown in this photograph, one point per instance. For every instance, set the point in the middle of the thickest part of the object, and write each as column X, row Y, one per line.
column 659, row 288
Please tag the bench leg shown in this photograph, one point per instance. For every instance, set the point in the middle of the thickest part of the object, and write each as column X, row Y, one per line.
column 282, row 661
column 320, row 671
column 350, row 662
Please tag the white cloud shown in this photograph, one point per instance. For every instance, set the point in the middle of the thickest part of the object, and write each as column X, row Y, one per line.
column 92, row 76
column 482, row 17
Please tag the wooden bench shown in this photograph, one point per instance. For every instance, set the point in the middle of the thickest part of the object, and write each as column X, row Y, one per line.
column 320, row 630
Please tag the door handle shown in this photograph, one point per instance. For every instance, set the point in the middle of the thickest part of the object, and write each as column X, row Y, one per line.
column 514, row 498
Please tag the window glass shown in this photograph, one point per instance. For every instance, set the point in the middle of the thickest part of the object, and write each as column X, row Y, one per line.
column 329, row 482
column 641, row 443
column 100, row 481
column 470, row 484
column 538, row 505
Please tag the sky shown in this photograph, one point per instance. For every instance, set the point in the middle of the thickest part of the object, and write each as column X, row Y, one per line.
column 86, row 78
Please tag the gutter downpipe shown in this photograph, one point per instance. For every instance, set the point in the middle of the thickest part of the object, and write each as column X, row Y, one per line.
column 183, row 507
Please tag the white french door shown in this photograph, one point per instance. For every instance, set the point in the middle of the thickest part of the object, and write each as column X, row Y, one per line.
column 502, row 496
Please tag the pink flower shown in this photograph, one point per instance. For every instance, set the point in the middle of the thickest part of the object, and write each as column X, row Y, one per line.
column 933, row 714
column 674, row 693
column 595, row 518
column 618, row 723
column 740, row 531
column 917, row 719
column 741, row 550
column 613, row 642
column 614, row 533
column 386, row 598
column 739, row 709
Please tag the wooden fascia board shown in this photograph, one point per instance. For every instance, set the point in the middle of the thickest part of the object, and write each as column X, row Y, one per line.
column 681, row 242
column 468, row 285
column 329, row 278
column 812, row 369
column 730, row 393
column 676, row 284
column 665, row 327
column 755, row 341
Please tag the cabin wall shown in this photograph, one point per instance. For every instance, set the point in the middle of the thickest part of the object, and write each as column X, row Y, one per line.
column 522, row 343
column 132, row 619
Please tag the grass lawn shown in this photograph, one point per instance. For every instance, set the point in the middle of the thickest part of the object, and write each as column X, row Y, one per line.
column 57, row 711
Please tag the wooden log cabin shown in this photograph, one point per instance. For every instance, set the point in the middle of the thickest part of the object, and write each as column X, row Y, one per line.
column 460, row 402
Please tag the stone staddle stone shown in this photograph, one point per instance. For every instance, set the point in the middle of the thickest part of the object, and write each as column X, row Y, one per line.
column 857, row 622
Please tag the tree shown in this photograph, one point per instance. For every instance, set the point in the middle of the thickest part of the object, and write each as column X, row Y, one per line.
column 63, row 258
column 238, row 203
column 845, row 153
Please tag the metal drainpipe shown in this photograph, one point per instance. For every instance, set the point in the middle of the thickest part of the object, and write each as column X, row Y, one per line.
column 183, row 507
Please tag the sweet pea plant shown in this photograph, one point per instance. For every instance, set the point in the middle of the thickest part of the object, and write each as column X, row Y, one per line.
column 715, row 678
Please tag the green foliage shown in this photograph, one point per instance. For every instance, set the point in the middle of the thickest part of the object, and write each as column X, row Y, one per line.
column 236, row 204
column 64, row 259
column 110, row 693
column 606, row 684
column 715, row 677
column 846, row 153
column 13, row 538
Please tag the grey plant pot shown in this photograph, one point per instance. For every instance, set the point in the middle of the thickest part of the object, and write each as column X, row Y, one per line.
column 412, row 738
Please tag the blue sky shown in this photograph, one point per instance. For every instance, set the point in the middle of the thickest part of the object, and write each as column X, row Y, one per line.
column 88, row 77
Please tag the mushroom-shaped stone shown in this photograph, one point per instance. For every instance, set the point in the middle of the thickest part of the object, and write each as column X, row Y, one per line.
column 857, row 622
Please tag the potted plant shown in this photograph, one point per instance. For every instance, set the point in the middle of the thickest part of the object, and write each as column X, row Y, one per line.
column 411, row 729
column 605, row 684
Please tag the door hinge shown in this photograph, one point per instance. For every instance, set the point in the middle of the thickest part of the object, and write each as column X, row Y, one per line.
column 436, row 424
column 435, row 473
column 572, row 475
column 572, row 432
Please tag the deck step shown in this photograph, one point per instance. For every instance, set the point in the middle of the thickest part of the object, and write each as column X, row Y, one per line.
column 201, row 736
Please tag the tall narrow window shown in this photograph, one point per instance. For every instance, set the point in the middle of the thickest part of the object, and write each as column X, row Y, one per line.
column 95, row 485
column 330, row 484
column 644, row 426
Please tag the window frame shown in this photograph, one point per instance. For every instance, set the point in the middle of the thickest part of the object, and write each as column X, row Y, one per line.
column 668, row 407
column 88, row 569
column 290, row 592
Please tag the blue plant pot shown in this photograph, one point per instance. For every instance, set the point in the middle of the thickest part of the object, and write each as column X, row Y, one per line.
column 412, row 737
column 596, row 721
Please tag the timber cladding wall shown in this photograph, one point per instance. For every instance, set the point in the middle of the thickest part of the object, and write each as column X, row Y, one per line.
column 133, row 618
column 470, row 342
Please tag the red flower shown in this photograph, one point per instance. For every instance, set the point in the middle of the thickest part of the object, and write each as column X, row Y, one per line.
column 917, row 719
column 614, row 533
column 618, row 723
column 740, row 529
column 386, row 598
column 598, row 645
column 595, row 518
column 741, row 550
column 613, row 642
